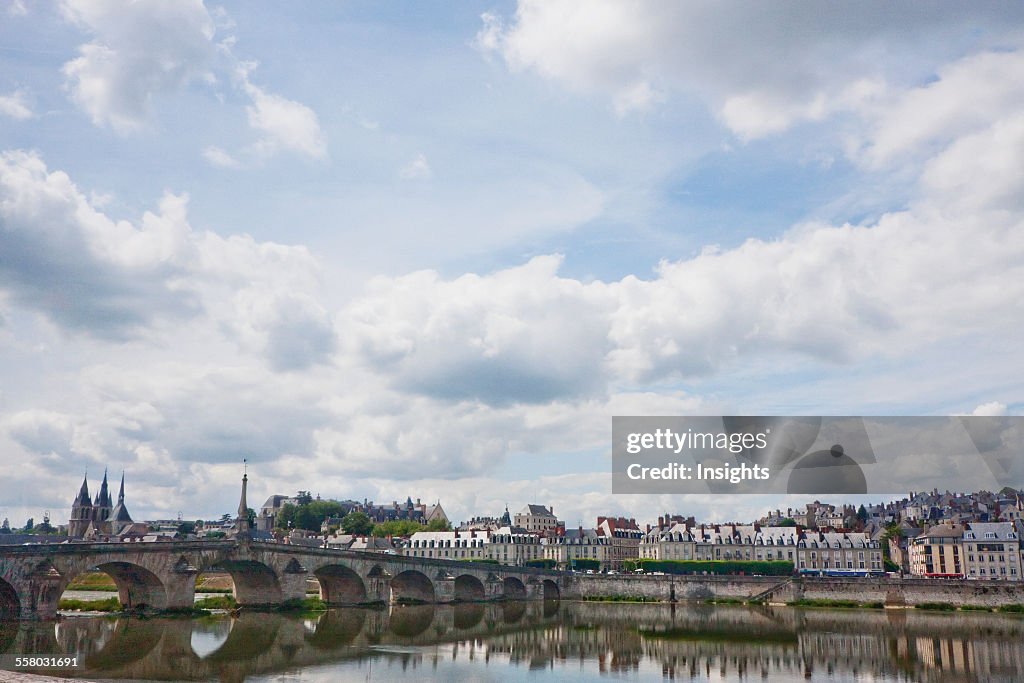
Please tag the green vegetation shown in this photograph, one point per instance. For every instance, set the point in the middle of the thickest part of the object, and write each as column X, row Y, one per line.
column 397, row 527
column 217, row 602
column 1012, row 609
column 302, row 605
column 937, row 606
column 788, row 522
column 542, row 564
column 482, row 560
column 821, row 602
column 309, row 515
column 104, row 605
column 92, row 581
column 763, row 567
column 975, row 608
column 724, row 601
column 585, row 564
column 618, row 598
column 357, row 524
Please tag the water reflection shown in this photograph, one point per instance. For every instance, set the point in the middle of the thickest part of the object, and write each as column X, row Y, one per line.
column 558, row 640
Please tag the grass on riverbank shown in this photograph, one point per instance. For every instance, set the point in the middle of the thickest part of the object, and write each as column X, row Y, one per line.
column 104, row 605
column 842, row 604
column 618, row 598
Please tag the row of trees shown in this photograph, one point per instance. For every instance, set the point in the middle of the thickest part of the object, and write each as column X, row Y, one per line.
column 310, row 514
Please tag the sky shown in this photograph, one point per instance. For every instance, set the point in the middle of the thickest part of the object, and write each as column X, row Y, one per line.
column 429, row 249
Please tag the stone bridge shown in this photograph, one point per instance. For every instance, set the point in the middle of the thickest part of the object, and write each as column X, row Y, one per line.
column 162, row 576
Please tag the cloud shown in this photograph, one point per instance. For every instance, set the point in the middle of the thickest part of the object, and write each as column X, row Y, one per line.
column 521, row 334
column 140, row 51
column 220, row 158
column 15, row 106
column 284, row 125
column 416, row 169
column 41, row 432
column 63, row 257
column 759, row 69
column 83, row 270
column 990, row 409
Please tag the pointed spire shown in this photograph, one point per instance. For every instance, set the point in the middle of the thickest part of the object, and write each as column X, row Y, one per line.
column 120, row 495
column 104, row 498
column 83, row 493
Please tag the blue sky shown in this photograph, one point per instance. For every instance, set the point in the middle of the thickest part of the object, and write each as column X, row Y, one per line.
column 430, row 249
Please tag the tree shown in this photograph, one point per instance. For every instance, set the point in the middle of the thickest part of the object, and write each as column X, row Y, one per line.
column 862, row 513
column 397, row 527
column 186, row 528
column 788, row 521
column 6, row 528
column 439, row 525
column 304, row 498
column 357, row 523
column 29, row 525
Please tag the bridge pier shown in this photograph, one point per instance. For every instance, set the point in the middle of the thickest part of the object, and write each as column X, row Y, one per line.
column 444, row 587
column 378, row 586
column 494, row 587
column 534, row 589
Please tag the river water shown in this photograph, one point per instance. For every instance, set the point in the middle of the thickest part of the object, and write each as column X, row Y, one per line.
column 550, row 641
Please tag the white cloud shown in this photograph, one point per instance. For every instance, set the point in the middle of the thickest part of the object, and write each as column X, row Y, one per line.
column 284, row 125
column 965, row 96
column 760, row 69
column 15, row 105
column 416, row 169
column 220, row 158
column 140, row 51
column 990, row 409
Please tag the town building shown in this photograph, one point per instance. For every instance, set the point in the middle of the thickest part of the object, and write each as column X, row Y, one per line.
column 838, row 553
column 578, row 544
column 992, row 551
column 538, row 519
column 447, row 545
column 938, row 552
column 625, row 538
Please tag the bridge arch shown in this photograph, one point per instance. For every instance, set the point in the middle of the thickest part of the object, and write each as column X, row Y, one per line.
column 551, row 591
column 340, row 585
column 514, row 588
column 10, row 605
column 137, row 586
column 411, row 586
column 468, row 588
column 254, row 582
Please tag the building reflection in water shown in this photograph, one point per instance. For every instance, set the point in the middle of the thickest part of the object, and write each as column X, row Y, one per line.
column 681, row 642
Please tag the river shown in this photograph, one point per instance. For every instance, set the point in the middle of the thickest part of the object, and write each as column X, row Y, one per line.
column 550, row 641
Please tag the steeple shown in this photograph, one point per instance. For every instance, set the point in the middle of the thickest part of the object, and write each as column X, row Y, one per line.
column 104, row 500
column 120, row 495
column 83, row 493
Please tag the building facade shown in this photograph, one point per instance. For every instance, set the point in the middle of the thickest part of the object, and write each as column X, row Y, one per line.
column 992, row 551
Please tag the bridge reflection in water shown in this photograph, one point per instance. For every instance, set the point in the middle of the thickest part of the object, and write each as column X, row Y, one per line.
column 644, row 641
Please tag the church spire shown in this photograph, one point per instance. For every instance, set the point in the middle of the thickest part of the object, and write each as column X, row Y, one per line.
column 104, row 498
column 83, row 493
column 120, row 495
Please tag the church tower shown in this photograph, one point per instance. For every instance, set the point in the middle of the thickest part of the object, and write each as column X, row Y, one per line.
column 81, row 512
column 119, row 517
column 103, row 505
